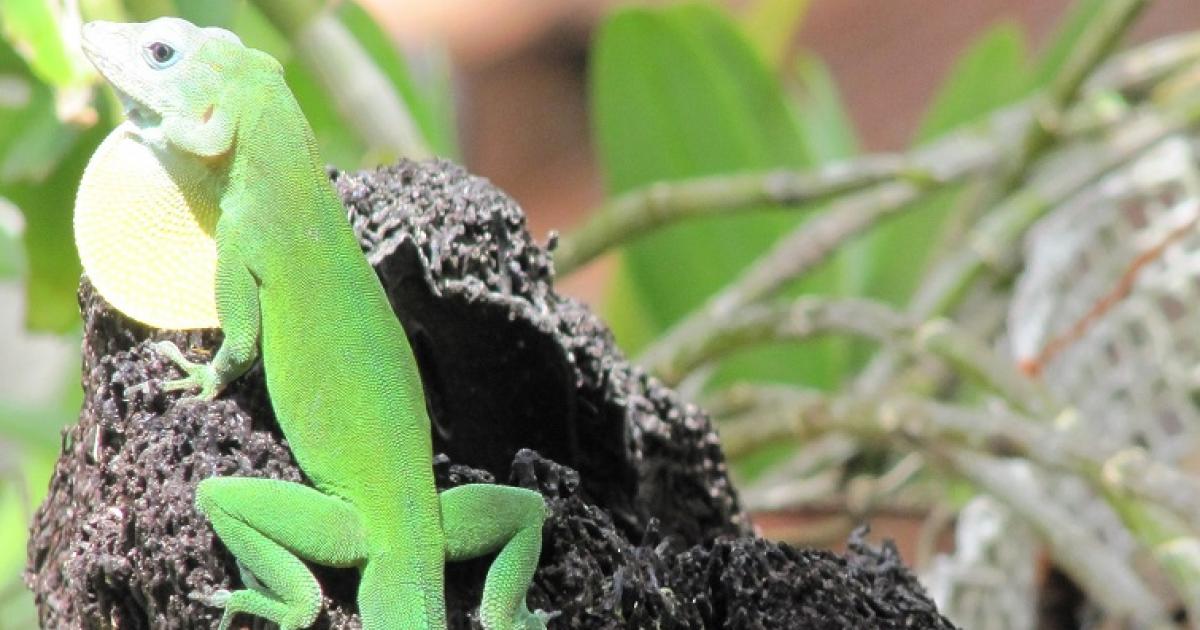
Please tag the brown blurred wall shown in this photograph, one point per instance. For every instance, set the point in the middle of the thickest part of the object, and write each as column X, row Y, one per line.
column 522, row 63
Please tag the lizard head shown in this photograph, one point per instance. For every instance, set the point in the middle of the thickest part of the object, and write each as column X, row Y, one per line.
column 164, row 68
column 144, row 216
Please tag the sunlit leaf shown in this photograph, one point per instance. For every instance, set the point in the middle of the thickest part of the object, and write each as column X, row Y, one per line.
column 992, row 73
column 22, row 488
column 337, row 143
column 256, row 31
column 12, row 252
column 826, row 126
column 39, row 144
column 770, row 26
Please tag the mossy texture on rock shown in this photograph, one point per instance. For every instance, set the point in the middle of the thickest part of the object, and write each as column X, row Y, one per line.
column 524, row 386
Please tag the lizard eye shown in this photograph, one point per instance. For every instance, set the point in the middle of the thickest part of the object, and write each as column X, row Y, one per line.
column 161, row 55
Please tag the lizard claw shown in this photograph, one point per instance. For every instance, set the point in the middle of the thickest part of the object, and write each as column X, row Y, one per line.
column 544, row 616
column 199, row 375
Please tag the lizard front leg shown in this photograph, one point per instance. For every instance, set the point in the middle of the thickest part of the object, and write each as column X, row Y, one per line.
column 478, row 519
column 269, row 525
column 238, row 311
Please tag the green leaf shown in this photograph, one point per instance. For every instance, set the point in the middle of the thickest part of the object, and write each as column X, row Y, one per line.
column 991, row 74
column 256, row 31
column 825, row 124
column 146, row 10
column 771, row 24
column 431, row 113
column 31, row 27
column 677, row 93
column 41, row 160
column 34, row 428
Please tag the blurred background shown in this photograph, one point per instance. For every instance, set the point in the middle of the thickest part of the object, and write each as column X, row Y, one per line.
column 522, row 69
column 931, row 265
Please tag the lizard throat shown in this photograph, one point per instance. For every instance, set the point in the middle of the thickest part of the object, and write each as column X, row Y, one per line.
column 137, row 112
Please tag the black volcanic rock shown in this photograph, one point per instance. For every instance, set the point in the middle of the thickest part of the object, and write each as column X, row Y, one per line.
column 524, row 386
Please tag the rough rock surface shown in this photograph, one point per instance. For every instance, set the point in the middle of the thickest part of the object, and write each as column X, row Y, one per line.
column 524, row 386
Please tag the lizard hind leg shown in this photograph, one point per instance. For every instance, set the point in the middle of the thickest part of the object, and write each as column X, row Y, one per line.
column 269, row 525
column 478, row 519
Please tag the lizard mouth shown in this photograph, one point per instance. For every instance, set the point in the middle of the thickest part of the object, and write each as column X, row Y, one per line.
column 136, row 111
column 98, row 40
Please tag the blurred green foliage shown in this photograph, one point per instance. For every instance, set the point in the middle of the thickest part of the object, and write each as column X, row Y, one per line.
column 686, row 91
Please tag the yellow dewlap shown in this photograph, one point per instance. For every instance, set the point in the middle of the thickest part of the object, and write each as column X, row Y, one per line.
column 145, row 239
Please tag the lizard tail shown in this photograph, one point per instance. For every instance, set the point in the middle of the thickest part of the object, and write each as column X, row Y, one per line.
column 396, row 594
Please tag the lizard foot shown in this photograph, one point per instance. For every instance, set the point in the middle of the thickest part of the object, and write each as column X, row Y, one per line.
column 199, row 375
column 255, row 603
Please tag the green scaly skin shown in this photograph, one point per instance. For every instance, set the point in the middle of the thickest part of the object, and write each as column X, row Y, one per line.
column 342, row 378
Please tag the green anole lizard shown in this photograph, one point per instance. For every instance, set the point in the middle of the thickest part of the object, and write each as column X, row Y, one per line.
column 217, row 162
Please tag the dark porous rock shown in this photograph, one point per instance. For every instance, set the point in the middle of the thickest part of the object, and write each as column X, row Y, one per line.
column 523, row 386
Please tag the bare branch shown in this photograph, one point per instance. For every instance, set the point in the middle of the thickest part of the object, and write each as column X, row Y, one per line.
column 890, row 181
column 761, row 323
column 1094, row 46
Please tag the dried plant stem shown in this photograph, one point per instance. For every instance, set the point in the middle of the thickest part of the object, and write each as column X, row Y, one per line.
column 764, row 415
column 956, row 437
column 1107, row 578
column 643, row 210
column 988, row 246
column 809, row 317
column 761, row 323
column 1135, row 71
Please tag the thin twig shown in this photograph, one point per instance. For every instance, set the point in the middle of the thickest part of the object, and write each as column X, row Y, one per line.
column 661, row 203
column 1134, row 71
column 1094, row 46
